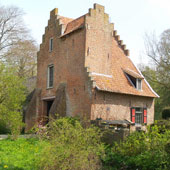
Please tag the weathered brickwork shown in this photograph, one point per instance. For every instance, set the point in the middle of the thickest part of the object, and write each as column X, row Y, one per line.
column 88, row 58
column 112, row 106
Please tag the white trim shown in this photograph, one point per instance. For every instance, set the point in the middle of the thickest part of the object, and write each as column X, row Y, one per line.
column 144, row 79
column 100, row 74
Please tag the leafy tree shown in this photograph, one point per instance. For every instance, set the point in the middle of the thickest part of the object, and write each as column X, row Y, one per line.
column 12, row 96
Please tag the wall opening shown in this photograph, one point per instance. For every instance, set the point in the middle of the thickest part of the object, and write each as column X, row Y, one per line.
column 47, row 107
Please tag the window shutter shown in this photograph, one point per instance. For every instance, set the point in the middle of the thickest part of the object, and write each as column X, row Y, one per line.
column 144, row 115
column 133, row 115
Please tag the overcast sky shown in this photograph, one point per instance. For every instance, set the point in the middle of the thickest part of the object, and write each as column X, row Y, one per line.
column 132, row 18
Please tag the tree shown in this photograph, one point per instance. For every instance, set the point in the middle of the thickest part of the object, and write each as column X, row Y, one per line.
column 159, row 74
column 12, row 96
column 22, row 56
column 12, row 28
column 159, row 53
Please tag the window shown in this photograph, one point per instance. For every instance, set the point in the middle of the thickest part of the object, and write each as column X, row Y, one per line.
column 139, row 115
column 51, row 45
column 134, row 78
column 139, row 84
column 136, row 82
column 50, row 76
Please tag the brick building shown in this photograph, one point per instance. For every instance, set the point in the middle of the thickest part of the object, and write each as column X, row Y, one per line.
column 84, row 69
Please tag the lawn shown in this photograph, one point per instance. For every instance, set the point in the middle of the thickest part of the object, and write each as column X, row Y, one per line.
column 21, row 154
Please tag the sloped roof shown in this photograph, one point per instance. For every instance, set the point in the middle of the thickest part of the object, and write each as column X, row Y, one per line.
column 117, row 81
column 65, row 20
column 72, row 25
column 133, row 73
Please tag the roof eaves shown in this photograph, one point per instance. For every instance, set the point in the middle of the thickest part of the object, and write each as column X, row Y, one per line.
column 112, row 91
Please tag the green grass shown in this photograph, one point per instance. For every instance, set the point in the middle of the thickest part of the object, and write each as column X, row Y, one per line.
column 21, row 154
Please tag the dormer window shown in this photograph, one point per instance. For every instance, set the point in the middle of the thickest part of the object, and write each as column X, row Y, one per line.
column 134, row 78
column 51, row 45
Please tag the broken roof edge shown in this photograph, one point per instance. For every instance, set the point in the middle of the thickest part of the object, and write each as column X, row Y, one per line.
column 145, row 80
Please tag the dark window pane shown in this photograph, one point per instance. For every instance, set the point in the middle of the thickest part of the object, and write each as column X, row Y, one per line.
column 133, row 80
column 51, row 75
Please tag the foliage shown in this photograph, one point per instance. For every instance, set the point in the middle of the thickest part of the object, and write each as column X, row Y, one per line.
column 20, row 154
column 3, row 128
column 166, row 113
column 158, row 74
column 163, row 124
column 22, row 56
column 142, row 151
column 71, row 147
column 161, row 102
column 12, row 96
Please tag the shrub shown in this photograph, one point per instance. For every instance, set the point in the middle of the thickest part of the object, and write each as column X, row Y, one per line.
column 142, row 151
column 12, row 96
column 3, row 128
column 71, row 147
column 166, row 113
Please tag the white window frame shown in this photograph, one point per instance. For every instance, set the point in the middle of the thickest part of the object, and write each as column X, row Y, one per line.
column 51, row 45
column 137, row 84
column 48, row 76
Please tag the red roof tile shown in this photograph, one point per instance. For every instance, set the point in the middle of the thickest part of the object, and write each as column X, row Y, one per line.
column 74, row 25
column 118, row 81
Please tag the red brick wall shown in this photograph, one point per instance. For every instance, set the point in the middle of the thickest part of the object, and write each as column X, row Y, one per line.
column 90, row 47
column 68, row 59
column 112, row 106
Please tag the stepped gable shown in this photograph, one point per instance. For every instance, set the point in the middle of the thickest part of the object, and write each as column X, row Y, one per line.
column 120, row 65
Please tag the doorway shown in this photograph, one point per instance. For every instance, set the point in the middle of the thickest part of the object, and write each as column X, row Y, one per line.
column 48, row 104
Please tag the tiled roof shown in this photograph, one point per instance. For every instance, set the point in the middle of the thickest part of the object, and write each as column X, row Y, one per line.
column 65, row 20
column 118, row 82
column 133, row 73
column 73, row 25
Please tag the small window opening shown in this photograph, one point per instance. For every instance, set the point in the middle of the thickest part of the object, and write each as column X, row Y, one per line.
column 51, row 45
column 50, row 76
column 137, row 83
column 139, row 115
column 74, row 91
